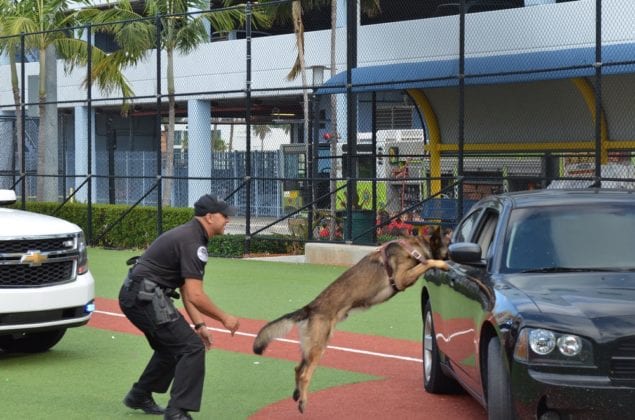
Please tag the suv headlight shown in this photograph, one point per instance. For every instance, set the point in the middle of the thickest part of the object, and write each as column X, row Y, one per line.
column 541, row 346
column 82, row 260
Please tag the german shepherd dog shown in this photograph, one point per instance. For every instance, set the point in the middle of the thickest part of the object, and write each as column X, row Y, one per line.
column 377, row 277
column 439, row 242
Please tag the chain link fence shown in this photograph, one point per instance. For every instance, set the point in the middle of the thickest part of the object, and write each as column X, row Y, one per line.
column 409, row 116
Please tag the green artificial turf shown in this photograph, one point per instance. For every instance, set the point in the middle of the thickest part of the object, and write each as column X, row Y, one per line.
column 89, row 372
column 265, row 290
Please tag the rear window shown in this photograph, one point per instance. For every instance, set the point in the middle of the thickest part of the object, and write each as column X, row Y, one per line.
column 575, row 237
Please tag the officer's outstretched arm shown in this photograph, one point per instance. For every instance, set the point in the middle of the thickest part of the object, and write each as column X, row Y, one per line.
column 193, row 293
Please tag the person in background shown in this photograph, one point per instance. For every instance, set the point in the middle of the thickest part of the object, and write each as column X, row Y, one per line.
column 175, row 260
column 382, row 221
column 399, row 228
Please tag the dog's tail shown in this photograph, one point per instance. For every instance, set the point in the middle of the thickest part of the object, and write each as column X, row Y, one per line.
column 278, row 328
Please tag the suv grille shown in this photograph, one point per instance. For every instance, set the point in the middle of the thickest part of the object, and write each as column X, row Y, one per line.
column 44, row 275
column 623, row 362
column 42, row 245
column 38, row 262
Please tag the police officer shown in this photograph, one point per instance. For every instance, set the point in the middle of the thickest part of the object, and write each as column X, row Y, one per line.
column 175, row 260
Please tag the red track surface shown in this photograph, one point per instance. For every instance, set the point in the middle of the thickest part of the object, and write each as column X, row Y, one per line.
column 399, row 395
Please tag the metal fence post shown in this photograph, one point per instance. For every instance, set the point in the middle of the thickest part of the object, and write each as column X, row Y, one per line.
column 157, row 122
column 248, row 169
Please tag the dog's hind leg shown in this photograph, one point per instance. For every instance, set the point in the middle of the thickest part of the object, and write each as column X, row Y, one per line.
column 298, row 370
column 317, row 333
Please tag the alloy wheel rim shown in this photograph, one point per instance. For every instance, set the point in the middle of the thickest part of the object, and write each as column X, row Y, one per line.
column 427, row 346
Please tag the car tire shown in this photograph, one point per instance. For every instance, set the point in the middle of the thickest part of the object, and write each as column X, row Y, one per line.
column 34, row 342
column 434, row 380
column 499, row 395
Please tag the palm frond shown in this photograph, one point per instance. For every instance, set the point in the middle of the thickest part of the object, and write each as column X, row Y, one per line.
column 226, row 19
column 298, row 28
column 370, row 8
column 73, row 51
column 190, row 35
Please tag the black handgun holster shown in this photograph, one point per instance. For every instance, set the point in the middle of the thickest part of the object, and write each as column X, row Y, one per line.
column 162, row 306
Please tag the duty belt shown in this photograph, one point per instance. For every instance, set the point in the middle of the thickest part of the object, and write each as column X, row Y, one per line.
column 150, row 285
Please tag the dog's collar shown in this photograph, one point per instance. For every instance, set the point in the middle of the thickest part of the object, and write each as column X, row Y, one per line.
column 413, row 252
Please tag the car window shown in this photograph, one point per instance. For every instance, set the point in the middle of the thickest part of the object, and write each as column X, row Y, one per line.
column 571, row 237
column 487, row 232
column 463, row 232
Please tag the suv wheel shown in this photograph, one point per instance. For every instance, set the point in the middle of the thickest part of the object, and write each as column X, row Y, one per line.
column 32, row 342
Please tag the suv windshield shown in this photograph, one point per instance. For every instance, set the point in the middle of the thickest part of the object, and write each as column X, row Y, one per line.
column 571, row 238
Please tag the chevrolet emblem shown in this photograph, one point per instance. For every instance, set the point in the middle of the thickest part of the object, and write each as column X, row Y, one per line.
column 33, row 258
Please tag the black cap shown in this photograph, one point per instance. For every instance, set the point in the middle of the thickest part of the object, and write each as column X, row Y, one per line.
column 208, row 204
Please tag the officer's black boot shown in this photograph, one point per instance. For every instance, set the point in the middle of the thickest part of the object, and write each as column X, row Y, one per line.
column 140, row 400
column 173, row 413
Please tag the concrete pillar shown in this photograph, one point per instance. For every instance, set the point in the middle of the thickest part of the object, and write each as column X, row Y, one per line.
column 341, row 13
column 8, row 149
column 48, row 143
column 81, row 153
column 206, row 23
column 199, row 134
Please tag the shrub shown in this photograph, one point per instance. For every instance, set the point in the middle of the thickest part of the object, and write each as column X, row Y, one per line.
column 138, row 228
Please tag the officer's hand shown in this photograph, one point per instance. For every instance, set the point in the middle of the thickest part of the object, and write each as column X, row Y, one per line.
column 206, row 337
column 231, row 323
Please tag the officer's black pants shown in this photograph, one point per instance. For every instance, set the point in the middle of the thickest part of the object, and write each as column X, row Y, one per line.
column 179, row 354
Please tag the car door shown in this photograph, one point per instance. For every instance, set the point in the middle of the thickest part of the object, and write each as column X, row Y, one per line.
column 447, row 317
column 466, row 298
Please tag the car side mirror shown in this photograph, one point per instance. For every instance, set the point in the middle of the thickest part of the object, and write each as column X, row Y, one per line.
column 7, row 197
column 466, row 253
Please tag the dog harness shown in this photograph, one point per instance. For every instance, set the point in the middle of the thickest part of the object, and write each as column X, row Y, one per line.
column 391, row 275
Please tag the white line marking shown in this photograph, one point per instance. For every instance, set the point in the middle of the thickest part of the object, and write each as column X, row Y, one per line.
column 286, row 340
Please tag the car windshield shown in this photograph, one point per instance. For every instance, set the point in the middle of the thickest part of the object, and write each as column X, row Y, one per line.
column 571, row 238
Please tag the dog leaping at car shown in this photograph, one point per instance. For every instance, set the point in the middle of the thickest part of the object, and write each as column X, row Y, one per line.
column 377, row 277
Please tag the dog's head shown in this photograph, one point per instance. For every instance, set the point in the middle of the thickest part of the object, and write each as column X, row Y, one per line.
column 439, row 242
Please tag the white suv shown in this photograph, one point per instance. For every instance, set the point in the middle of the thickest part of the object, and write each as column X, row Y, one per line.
column 45, row 285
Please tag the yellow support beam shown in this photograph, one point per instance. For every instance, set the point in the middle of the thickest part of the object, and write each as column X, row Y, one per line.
column 583, row 146
column 434, row 137
column 435, row 146
column 588, row 94
column 520, row 147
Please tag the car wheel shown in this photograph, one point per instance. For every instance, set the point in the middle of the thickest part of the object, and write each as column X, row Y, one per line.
column 35, row 342
column 499, row 395
column 434, row 380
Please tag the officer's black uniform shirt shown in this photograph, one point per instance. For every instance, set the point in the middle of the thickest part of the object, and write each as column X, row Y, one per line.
column 175, row 255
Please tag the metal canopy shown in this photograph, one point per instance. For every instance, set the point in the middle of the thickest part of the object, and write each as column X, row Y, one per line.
column 487, row 70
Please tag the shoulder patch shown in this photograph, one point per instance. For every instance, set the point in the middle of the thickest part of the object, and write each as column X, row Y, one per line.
column 201, row 252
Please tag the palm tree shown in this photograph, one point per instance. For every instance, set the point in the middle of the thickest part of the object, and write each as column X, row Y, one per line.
column 9, row 46
column 135, row 36
column 231, row 136
column 261, row 132
column 42, row 19
column 218, row 144
column 370, row 8
column 46, row 22
column 183, row 32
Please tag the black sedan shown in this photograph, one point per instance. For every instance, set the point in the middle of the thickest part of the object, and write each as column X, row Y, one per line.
column 536, row 316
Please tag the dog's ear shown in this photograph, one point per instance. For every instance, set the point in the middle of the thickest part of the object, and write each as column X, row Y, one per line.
column 436, row 244
column 435, row 236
